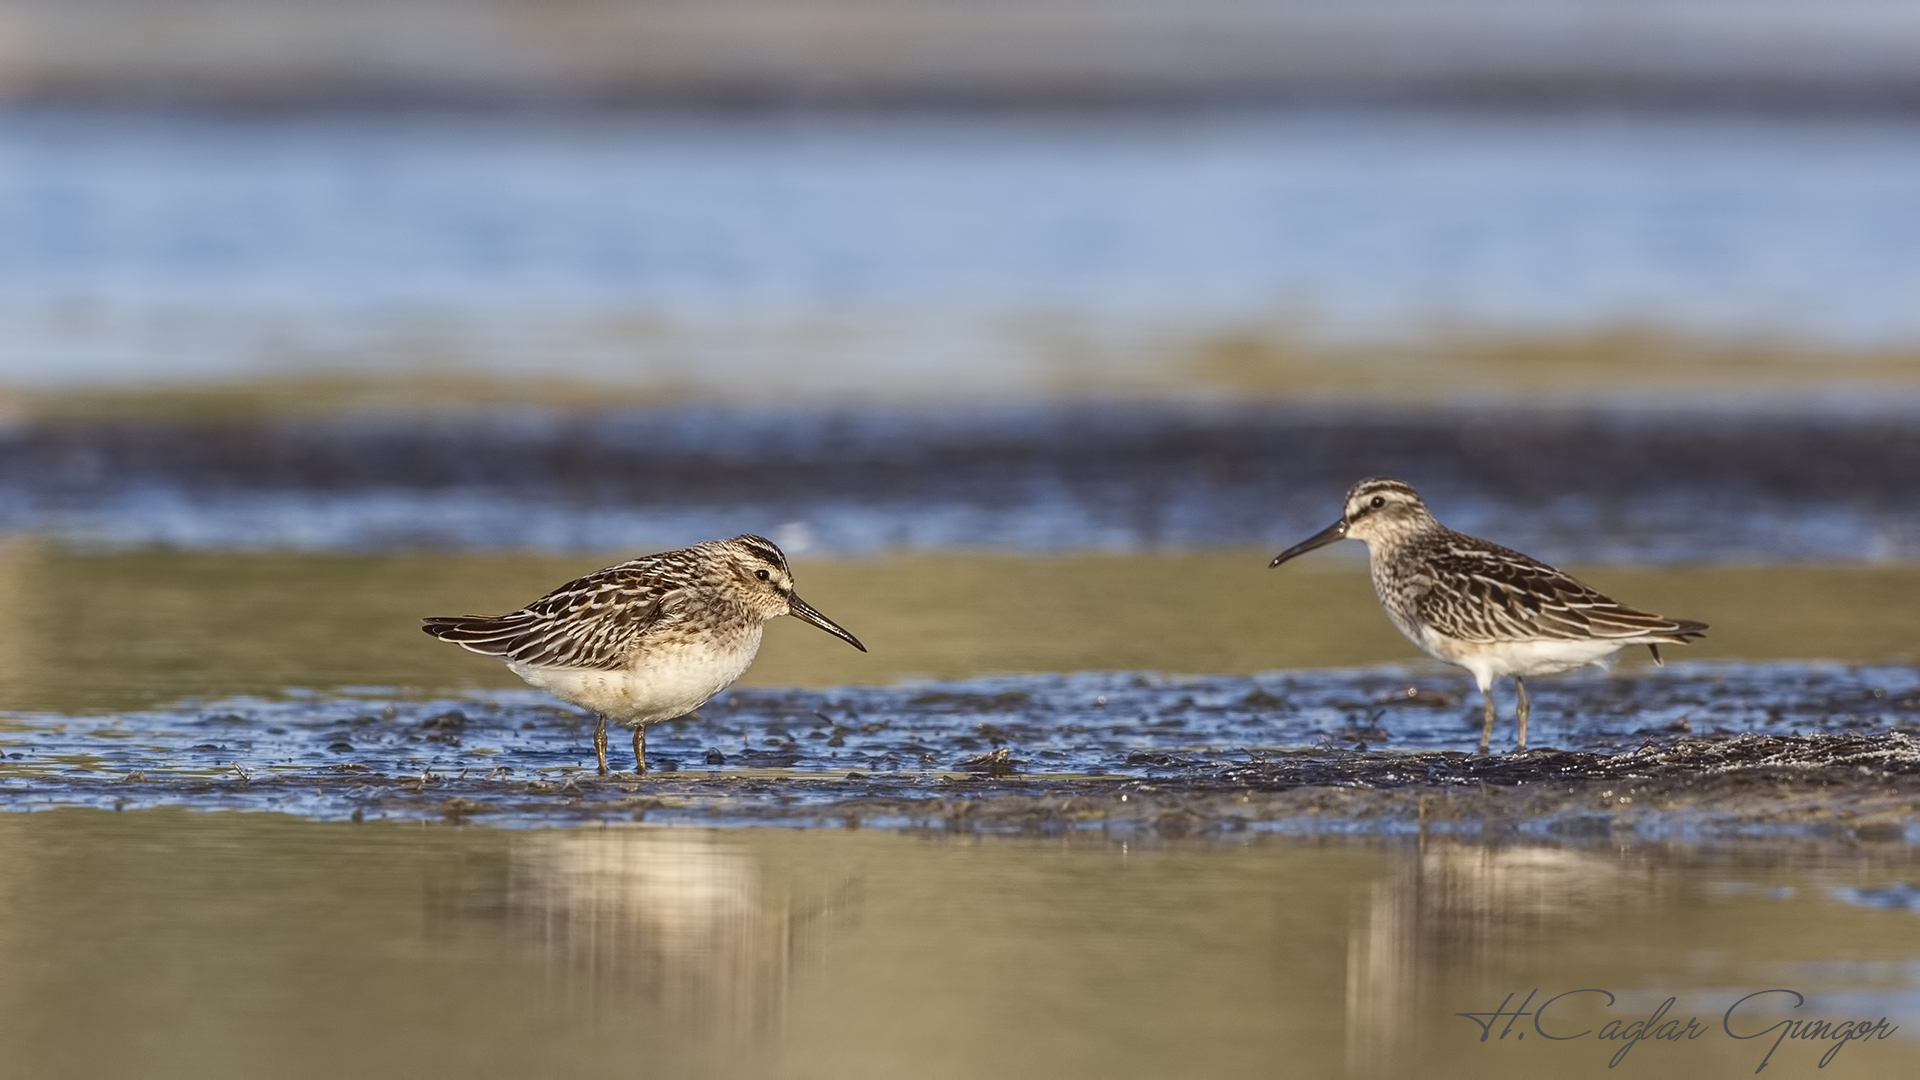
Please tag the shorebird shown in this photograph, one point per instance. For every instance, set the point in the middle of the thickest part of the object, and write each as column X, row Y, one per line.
column 1488, row 609
column 648, row 640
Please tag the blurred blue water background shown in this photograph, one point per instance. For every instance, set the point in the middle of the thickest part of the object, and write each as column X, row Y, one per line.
column 1606, row 485
column 921, row 253
column 961, row 273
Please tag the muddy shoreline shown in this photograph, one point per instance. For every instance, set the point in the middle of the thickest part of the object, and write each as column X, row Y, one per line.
column 1850, row 788
column 1700, row 751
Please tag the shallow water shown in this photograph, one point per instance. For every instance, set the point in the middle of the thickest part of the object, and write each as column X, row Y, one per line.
column 302, row 684
column 82, row 633
column 518, row 757
column 1205, row 873
column 162, row 943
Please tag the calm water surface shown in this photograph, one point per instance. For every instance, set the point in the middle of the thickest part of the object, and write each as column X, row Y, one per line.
column 86, row 633
column 167, row 943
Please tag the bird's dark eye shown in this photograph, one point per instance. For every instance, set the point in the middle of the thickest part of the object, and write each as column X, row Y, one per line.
column 1379, row 501
column 761, row 574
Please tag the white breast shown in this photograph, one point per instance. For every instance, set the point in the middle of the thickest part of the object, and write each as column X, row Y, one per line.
column 667, row 680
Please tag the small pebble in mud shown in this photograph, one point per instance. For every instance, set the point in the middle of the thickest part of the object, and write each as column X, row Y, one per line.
column 1414, row 695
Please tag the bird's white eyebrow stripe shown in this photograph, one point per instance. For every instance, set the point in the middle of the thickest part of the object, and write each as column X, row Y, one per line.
column 764, row 550
column 1376, row 486
column 771, row 558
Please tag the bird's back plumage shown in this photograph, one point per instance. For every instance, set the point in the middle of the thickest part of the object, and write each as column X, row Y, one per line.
column 1474, row 591
column 592, row 622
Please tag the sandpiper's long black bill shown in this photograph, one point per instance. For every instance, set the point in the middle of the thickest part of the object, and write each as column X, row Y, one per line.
column 804, row 611
column 1332, row 534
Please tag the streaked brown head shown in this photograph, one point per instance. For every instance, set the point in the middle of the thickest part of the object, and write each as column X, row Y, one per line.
column 757, row 568
column 1379, row 509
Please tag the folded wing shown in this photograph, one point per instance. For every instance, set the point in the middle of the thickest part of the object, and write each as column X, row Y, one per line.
column 1486, row 593
column 592, row 622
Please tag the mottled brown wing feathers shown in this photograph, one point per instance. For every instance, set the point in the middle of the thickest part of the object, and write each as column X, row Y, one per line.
column 1486, row 593
column 591, row 622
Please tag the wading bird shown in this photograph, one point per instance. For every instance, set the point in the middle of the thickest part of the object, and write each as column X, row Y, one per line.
column 1488, row 609
column 648, row 640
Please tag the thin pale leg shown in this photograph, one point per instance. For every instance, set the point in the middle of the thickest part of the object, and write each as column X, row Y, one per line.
column 600, row 743
column 640, row 750
column 1486, row 730
column 1521, row 685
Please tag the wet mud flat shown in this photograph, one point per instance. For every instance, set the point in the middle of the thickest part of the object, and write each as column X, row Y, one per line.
column 1699, row 751
column 1566, row 484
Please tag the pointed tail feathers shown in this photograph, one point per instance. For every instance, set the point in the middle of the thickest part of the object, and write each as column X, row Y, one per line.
column 1686, row 630
column 489, row 635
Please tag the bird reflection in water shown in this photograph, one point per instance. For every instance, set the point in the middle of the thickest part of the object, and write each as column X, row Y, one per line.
column 1456, row 914
column 677, row 924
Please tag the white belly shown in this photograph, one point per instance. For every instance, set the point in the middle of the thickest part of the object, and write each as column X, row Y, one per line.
column 1491, row 661
column 669, row 680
